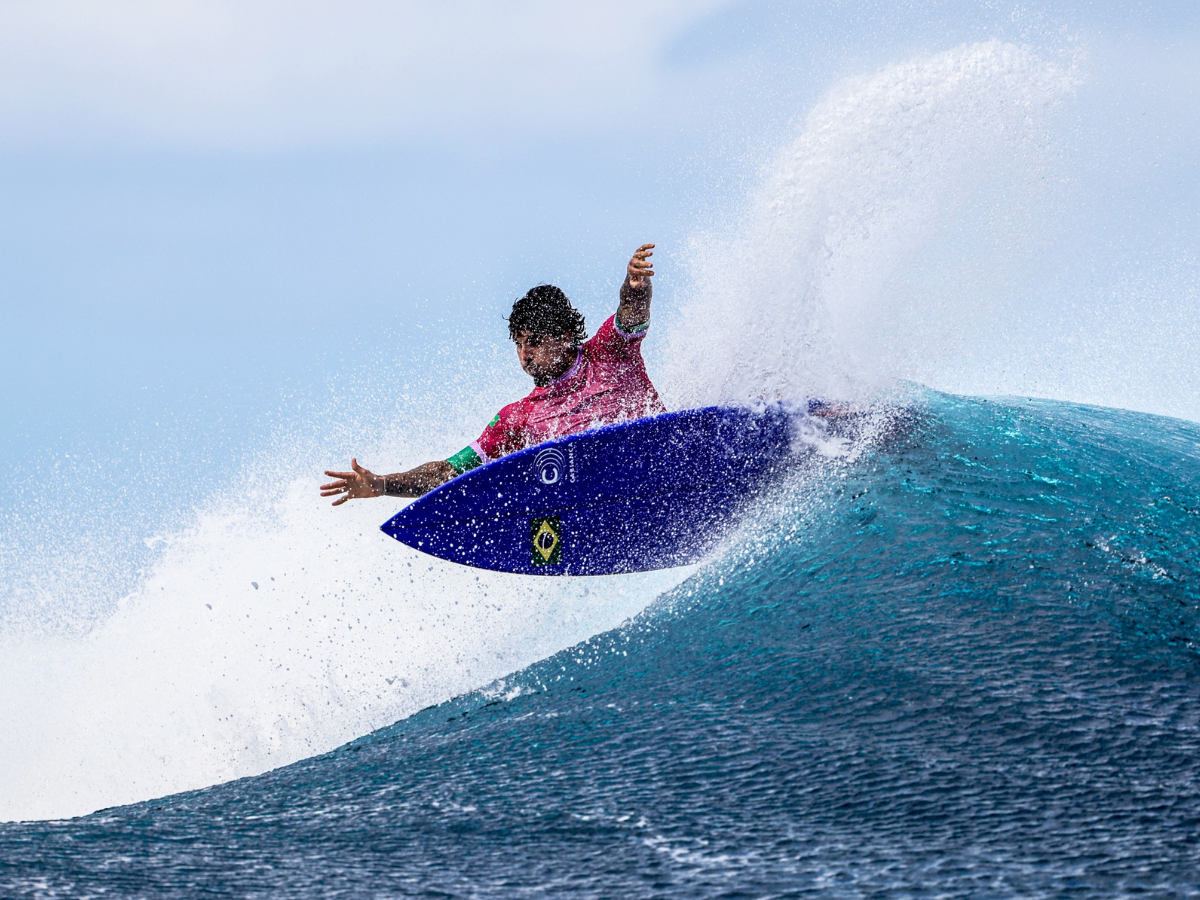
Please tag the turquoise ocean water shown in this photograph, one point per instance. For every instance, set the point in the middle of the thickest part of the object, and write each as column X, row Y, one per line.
column 961, row 663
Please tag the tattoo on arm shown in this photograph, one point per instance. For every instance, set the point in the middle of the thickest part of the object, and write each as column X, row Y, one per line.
column 634, row 308
column 419, row 481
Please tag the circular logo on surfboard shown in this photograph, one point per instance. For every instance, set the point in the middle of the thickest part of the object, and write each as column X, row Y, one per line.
column 549, row 464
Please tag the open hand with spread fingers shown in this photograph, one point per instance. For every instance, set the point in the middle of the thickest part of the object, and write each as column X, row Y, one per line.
column 640, row 269
column 352, row 485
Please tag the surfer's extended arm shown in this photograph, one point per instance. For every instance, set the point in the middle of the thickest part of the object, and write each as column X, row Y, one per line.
column 362, row 483
column 633, row 313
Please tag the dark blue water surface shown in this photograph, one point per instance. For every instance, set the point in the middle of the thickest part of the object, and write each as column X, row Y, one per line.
column 965, row 664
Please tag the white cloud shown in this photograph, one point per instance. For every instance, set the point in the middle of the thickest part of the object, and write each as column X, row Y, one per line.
column 267, row 74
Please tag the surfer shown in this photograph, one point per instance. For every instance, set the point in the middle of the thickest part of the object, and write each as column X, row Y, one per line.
column 578, row 385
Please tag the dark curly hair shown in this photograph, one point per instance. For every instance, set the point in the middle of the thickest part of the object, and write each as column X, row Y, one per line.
column 546, row 310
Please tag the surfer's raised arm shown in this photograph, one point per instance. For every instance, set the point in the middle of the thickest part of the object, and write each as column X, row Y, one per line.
column 634, row 309
column 579, row 383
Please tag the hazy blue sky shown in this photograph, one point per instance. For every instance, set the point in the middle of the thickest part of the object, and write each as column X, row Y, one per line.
column 209, row 209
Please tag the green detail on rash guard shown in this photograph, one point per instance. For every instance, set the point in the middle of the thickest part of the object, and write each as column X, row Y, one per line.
column 465, row 460
column 621, row 328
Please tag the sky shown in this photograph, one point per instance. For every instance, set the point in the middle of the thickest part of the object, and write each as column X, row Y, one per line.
column 211, row 212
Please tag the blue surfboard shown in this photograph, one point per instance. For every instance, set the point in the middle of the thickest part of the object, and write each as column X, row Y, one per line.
column 646, row 494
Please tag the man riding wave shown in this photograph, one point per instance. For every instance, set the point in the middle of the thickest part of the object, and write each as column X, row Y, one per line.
column 577, row 385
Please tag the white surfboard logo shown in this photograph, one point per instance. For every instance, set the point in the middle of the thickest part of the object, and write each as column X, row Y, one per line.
column 549, row 464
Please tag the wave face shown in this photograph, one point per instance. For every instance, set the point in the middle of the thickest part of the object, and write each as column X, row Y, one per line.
column 963, row 663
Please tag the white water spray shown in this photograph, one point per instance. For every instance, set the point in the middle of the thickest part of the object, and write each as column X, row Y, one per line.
column 806, row 294
column 262, row 638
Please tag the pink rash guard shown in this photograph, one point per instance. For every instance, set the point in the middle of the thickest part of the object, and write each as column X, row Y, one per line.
column 608, row 383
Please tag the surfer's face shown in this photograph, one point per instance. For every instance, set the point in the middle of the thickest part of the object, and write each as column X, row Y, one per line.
column 543, row 356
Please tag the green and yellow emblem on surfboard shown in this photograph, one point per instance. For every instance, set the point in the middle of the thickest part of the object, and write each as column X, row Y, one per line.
column 546, row 535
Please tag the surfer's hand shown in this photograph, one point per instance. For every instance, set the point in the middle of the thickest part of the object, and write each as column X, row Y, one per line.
column 641, row 270
column 352, row 485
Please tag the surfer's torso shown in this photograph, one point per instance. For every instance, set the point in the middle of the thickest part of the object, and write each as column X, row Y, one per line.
column 607, row 383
